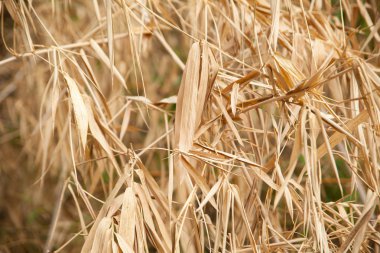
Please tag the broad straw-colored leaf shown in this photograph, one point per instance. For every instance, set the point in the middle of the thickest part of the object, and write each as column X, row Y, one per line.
column 123, row 245
column 195, row 86
column 96, row 132
column 100, row 242
column 275, row 7
column 127, row 217
column 79, row 107
column 186, row 113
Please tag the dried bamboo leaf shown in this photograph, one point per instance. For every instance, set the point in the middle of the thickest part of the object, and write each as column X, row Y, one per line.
column 127, row 217
column 79, row 107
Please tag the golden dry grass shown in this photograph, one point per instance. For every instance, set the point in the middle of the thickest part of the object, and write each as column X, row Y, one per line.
column 189, row 126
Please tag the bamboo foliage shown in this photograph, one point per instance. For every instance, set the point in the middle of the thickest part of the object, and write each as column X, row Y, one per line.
column 189, row 126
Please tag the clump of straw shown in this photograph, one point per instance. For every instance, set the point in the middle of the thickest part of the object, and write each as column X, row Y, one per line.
column 190, row 126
